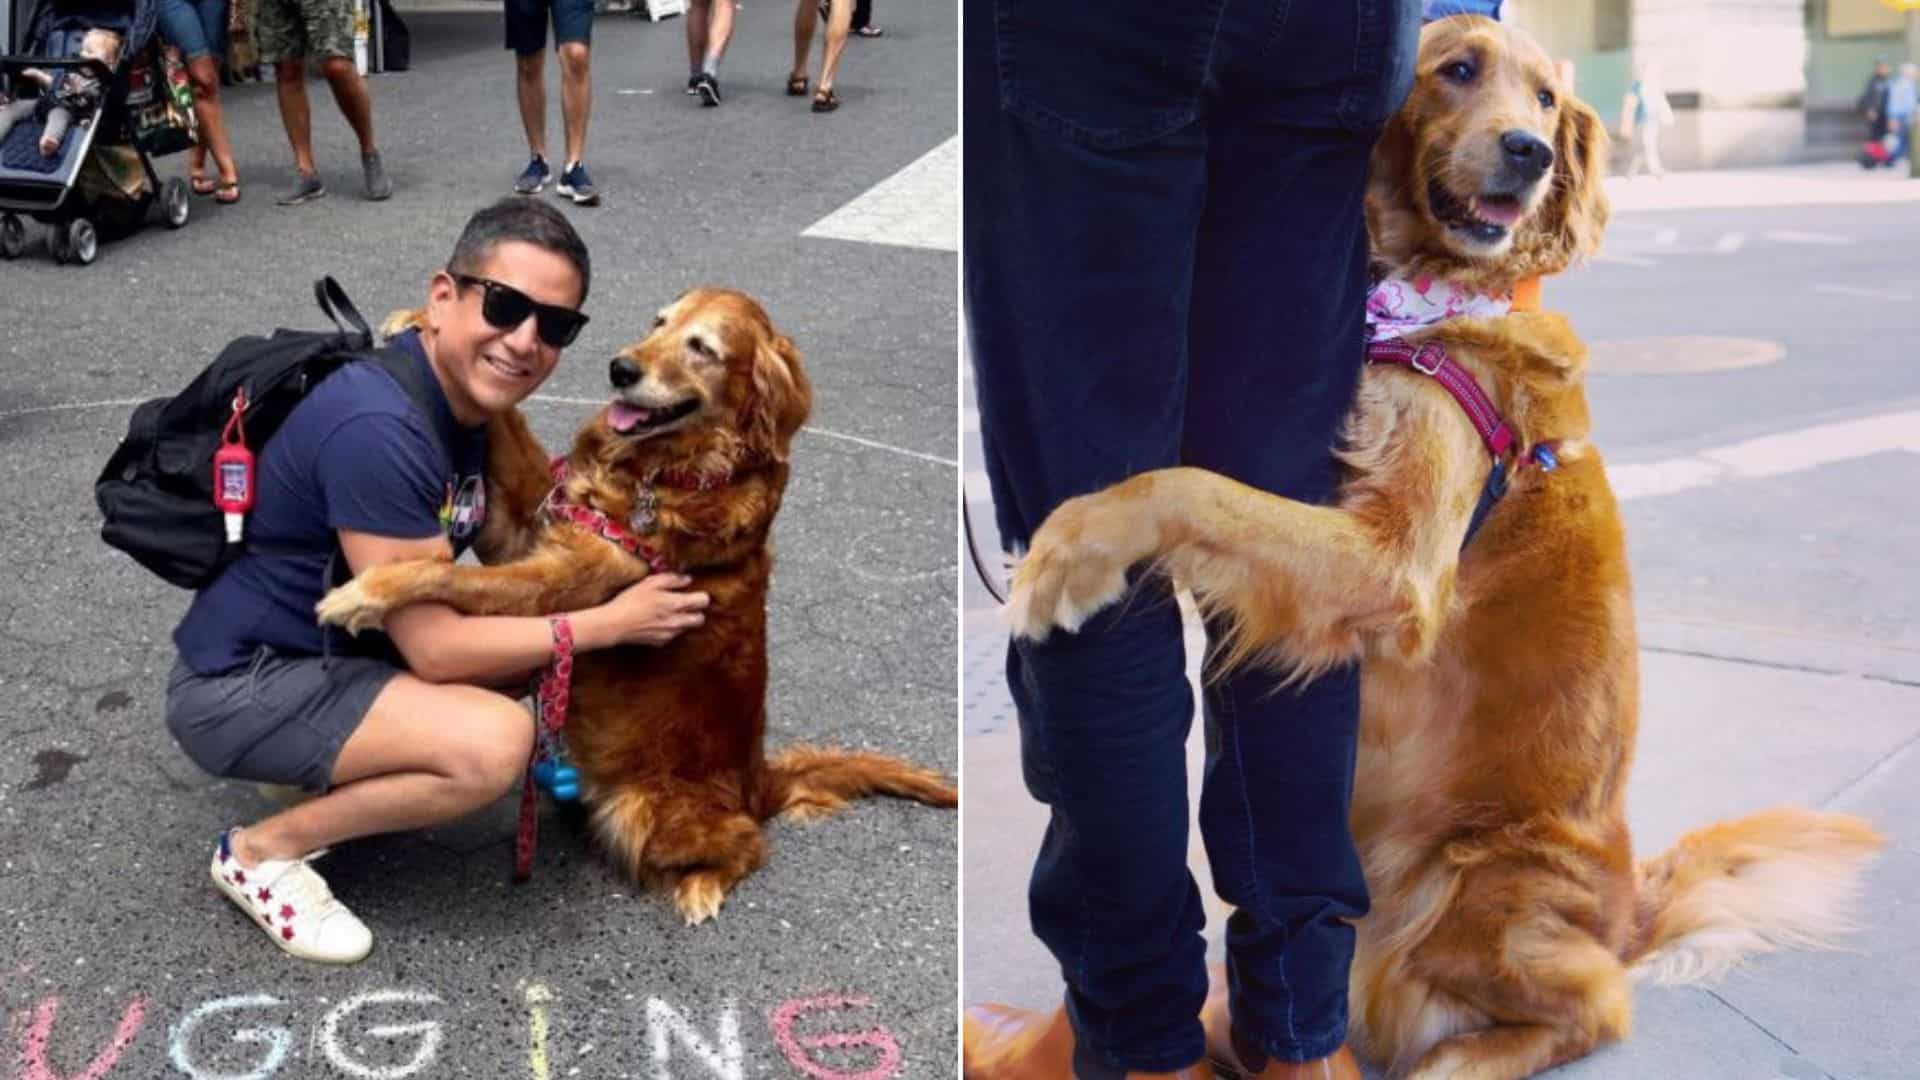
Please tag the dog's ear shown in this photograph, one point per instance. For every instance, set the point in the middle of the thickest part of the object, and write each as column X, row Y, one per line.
column 783, row 397
column 402, row 321
column 1576, row 212
column 1393, row 225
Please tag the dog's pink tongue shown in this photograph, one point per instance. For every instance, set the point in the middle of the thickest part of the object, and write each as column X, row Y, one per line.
column 1497, row 210
column 623, row 417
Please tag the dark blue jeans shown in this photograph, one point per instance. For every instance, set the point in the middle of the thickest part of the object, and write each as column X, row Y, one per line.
column 1165, row 263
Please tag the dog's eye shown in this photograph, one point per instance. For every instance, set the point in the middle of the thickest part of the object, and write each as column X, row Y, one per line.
column 1459, row 71
column 659, row 321
column 700, row 346
column 1546, row 99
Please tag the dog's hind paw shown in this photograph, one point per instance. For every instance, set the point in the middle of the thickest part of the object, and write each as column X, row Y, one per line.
column 699, row 896
column 351, row 608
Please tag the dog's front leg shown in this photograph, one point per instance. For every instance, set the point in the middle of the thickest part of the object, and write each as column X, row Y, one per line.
column 563, row 575
column 1297, row 583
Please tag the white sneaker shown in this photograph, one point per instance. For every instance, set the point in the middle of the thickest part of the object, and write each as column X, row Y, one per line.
column 293, row 905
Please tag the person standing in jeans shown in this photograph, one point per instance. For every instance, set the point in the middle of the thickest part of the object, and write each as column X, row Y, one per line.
column 1166, row 264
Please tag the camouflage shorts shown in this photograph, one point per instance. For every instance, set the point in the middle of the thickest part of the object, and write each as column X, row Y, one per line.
column 286, row 29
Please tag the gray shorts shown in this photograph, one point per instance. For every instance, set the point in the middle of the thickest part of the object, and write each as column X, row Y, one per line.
column 278, row 720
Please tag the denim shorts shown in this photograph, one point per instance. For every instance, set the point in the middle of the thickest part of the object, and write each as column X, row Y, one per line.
column 278, row 719
column 196, row 27
column 527, row 23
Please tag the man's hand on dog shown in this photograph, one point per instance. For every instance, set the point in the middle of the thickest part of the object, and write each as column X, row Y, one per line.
column 653, row 611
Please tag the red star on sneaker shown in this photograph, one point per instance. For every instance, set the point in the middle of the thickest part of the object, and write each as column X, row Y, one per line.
column 286, row 933
column 286, row 911
column 264, row 895
column 239, row 877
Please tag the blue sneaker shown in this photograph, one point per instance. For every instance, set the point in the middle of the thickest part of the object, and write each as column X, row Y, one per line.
column 576, row 185
column 533, row 177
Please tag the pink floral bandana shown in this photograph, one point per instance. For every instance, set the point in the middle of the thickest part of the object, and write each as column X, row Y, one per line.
column 1399, row 306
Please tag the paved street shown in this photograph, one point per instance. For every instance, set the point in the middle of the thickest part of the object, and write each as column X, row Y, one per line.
column 1754, row 391
column 838, row 958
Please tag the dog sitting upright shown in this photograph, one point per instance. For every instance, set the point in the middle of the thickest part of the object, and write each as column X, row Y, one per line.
column 1500, row 681
column 691, row 457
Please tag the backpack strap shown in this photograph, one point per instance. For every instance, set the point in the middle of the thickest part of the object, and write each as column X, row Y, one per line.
column 333, row 301
column 418, row 381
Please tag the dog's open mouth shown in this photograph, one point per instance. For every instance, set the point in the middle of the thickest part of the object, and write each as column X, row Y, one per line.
column 629, row 419
column 1484, row 218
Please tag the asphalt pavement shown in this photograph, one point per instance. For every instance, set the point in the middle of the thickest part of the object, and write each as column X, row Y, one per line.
column 838, row 959
column 1754, row 391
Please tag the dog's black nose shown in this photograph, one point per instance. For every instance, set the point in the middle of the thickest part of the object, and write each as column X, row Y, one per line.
column 1527, row 154
column 623, row 372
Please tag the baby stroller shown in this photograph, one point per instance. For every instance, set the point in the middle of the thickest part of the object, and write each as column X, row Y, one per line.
column 99, row 180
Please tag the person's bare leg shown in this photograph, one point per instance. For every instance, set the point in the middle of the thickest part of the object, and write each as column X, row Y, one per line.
column 719, row 32
column 290, row 86
column 408, row 766
column 204, row 71
column 839, row 22
column 805, row 14
column 696, row 33
column 576, row 96
column 530, row 80
column 350, row 93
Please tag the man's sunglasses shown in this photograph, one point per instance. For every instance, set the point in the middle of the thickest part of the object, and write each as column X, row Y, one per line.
column 505, row 308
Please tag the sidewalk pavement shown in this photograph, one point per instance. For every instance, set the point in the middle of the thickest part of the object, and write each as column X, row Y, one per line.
column 1718, row 739
column 1814, row 184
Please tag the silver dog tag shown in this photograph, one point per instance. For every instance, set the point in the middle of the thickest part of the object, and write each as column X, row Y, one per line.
column 645, row 517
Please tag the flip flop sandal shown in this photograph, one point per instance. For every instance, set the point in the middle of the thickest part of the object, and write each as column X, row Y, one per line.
column 824, row 100
column 202, row 185
column 227, row 194
column 870, row 31
column 796, row 86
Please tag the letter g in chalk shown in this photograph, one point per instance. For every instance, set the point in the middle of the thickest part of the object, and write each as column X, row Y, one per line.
column 429, row 1033
column 277, row 1040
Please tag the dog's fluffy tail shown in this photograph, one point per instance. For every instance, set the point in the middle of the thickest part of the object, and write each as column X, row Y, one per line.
column 1780, row 878
column 812, row 782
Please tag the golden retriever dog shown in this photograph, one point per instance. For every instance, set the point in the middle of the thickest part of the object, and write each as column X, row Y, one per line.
column 1500, row 682
column 668, row 740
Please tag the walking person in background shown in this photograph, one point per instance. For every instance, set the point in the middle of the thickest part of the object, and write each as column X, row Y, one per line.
column 1902, row 95
column 1872, row 104
column 572, row 42
column 838, row 15
column 1644, row 114
column 198, row 28
column 709, row 28
column 291, row 31
column 863, row 19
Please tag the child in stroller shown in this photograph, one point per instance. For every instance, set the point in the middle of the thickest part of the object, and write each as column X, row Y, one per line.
column 71, row 95
column 91, row 104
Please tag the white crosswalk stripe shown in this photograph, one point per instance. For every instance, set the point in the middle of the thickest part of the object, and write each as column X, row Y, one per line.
column 1863, row 292
column 1790, row 236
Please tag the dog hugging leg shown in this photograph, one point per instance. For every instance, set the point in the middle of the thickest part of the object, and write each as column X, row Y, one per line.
column 1302, row 587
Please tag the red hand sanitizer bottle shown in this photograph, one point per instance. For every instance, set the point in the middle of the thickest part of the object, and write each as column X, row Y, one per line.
column 233, row 471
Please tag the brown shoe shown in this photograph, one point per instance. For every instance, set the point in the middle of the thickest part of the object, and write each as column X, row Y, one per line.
column 1250, row 1062
column 1000, row 1042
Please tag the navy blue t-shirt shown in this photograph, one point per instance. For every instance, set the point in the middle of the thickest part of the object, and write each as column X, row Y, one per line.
column 354, row 454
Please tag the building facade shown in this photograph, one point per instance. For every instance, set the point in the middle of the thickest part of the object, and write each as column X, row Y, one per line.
column 1752, row 82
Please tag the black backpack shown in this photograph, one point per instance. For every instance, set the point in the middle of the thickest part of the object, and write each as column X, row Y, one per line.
column 156, row 492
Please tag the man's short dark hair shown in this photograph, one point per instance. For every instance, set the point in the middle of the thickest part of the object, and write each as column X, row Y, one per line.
column 518, row 219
